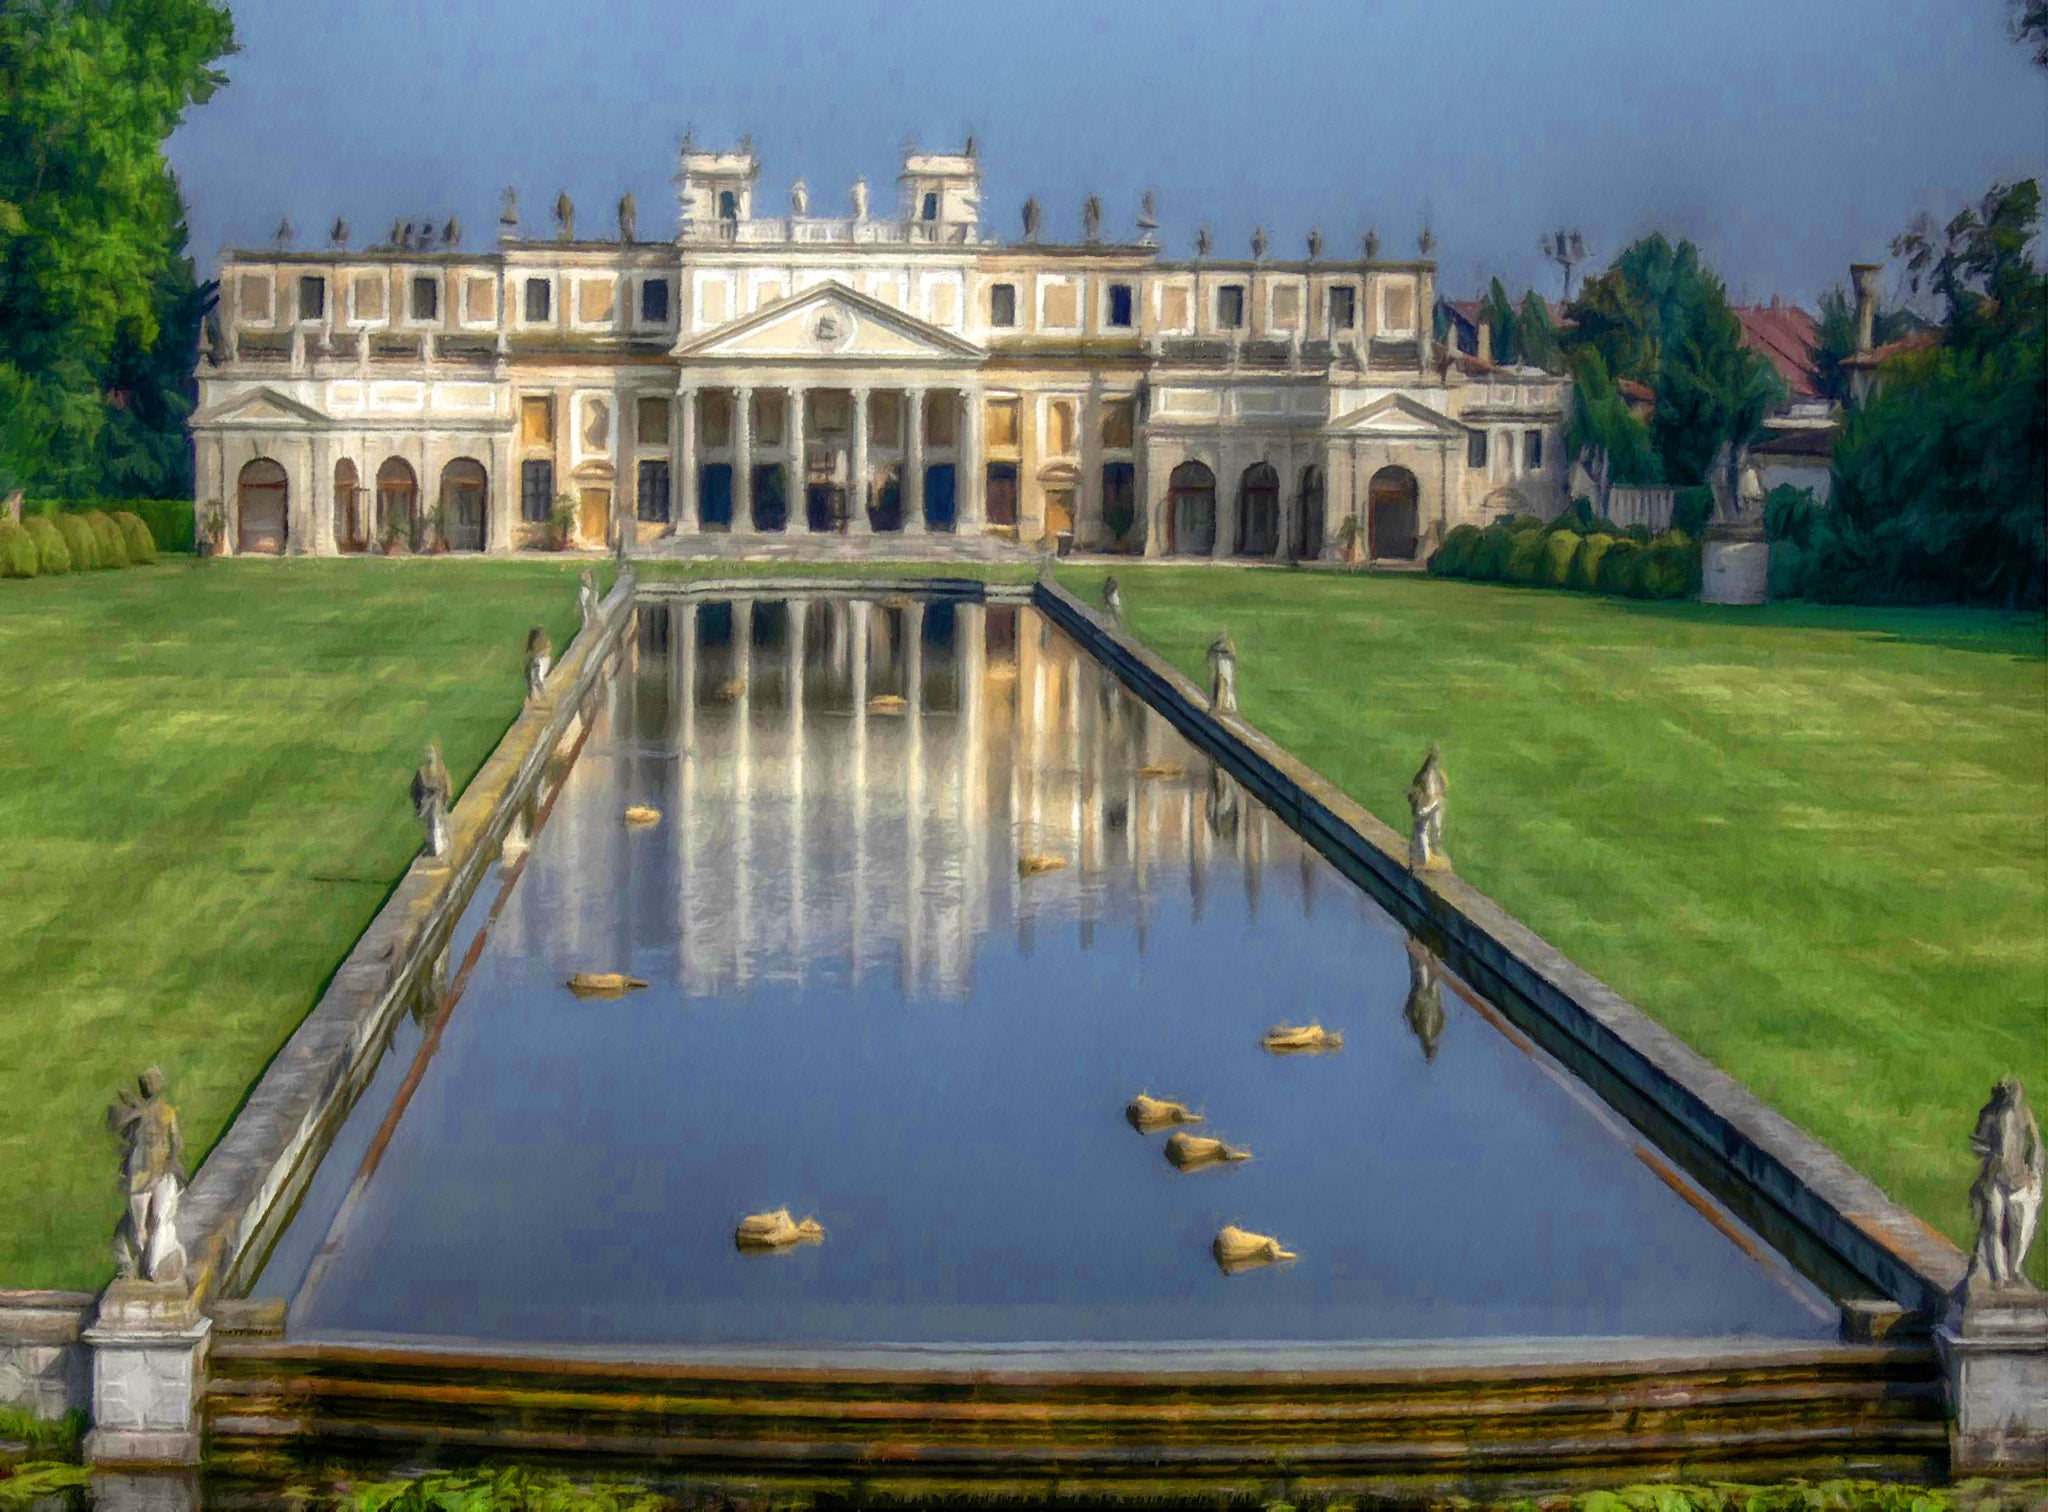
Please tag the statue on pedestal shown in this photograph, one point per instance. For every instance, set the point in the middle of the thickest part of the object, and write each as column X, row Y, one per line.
column 2006, row 1196
column 799, row 199
column 586, row 596
column 1426, row 796
column 431, row 791
column 152, row 1167
column 565, row 216
column 860, row 199
column 1222, row 674
column 540, row 656
column 629, row 217
column 1113, row 600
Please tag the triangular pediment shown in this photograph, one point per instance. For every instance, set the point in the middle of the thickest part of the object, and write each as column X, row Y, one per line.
column 830, row 321
column 1398, row 415
column 262, row 406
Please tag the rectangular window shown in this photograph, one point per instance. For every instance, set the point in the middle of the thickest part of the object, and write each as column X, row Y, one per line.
column 1002, row 304
column 1397, row 306
column 1002, row 423
column 651, row 422
column 370, row 289
column 654, row 492
column 536, row 490
column 1119, row 418
column 1532, row 450
column 1119, row 307
column 537, row 420
column 312, row 298
column 1343, row 307
column 540, row 297
column 1286, row 307
column 1475, row 449
column 426, row 298
column 654, row 301
column 1062, row 306
column 1230, row 307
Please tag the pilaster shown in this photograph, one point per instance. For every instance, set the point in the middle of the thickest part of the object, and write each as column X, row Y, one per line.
column 857, row 492
column 913, row 461
column 742, row 459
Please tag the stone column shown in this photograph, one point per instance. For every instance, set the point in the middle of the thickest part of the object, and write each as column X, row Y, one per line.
column 321, row 485
column 502, row 496
column 687, row 508
column 970, row 473
column 742, row 460
column 857, row 491
column 1089, row 531
column 913, row 461
column 148, row 1345
column 1228, row 475
column 799, row 472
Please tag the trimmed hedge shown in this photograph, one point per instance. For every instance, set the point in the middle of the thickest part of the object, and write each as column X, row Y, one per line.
column 1454, row 557
column 1617, row 572
column 1490, row 553
column 169, row 521
column 107, row 536
column 1585, row 573
column 52, row 553
column 18, row 554
column 79, row 541
column 135, row 532
column 1559, row 550
column 1525, row 558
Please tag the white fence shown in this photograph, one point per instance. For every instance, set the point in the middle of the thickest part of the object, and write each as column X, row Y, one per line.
column 1641, row 506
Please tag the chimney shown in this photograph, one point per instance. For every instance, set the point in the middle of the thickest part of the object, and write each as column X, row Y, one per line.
column 1486, row 341
column 1863, row 278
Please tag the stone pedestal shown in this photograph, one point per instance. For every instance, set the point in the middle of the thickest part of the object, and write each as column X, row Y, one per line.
column 1735, row 566
column 1995, row 1344
column 148, row 1347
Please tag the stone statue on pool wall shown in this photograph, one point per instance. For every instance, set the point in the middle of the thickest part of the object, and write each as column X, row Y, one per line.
column 432, row 791
column 1222, row 674
column 586, row 596
column 146, row 1243
column 2006, row 1196
column 1426, row 795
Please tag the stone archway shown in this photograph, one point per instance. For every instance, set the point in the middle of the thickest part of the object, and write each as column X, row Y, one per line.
column 262, row 508
column 465, row 495
column 1191, row 510
column 1258, row 511
column 1394, row 515
column 1308, row 516
column 398, row 502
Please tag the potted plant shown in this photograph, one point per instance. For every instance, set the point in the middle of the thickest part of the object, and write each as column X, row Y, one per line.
column 437, row 540
column 562, row 523
column 1351, row 542
column 213, row 528
column 392, row 543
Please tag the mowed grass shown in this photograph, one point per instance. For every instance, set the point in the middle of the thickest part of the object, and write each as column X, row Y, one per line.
column 203, row 771
column 1814, row 842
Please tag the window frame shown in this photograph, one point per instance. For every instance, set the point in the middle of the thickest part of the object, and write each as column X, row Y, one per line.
column 1475, row 450
column 1348, row 293
column 316, row 284
column 1006, row 293
column 544, row 285
column 415, row 285
column 1111, row 292
column 647, row 285
column 650, row 468
column 1236, row 293
column 1532, row 450
column 531, row 468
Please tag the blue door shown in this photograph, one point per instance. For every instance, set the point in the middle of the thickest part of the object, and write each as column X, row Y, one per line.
column 940, row 498
column 714, row 496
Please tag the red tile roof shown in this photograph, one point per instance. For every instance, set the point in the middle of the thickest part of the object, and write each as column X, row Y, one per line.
column 1919, row 340
column 1784, row 335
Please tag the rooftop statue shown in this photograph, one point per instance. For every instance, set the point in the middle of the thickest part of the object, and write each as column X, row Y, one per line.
column 1426, row 795
column 629, row 217
column 1032, row 217
column 508, row 213
column 1091, row 219
column 2006, row 1196
column 565, row 216
column 860, row 199
column 799, row 199
column 431, row 791
column 153, row 1171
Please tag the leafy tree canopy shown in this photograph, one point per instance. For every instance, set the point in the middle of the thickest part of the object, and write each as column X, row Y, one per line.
column 93, row 278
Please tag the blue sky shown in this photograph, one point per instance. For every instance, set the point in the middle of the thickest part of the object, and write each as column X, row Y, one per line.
column 1787, row 137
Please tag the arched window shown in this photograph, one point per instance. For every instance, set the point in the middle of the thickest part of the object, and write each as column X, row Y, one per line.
column 398, row 501
column 1258, row 511
column 728, row 205
column 931, row 207
column 1060, row 428
column 262, row 499
column 349, row 533
column 1191, row 510
column 1308, row 515
column 465, row 493
column 1394, row 520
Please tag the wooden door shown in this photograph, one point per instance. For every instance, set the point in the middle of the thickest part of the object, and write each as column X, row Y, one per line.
column 1059, row 512
column 594, row 515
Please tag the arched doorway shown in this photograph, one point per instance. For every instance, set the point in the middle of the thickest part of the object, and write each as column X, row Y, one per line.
column 350, row 532
column 885, row 500
column 1191, row 510
column 1394, row 521
column 262, row 497
column 1308, row 516
column 1258, row 511
column 464, row 490
column 398, row 502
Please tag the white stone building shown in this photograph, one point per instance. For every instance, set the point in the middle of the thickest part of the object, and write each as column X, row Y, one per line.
column 766, row 372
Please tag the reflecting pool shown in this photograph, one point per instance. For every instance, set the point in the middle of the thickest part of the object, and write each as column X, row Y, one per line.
column 858, row 1009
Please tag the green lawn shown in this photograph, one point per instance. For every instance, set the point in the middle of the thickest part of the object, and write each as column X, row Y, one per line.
column 203, row 775
column 1814, row 842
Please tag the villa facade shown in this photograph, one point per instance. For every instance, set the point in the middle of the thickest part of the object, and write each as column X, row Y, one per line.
column 793, row 372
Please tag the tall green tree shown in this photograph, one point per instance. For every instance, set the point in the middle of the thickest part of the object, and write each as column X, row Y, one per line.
column 1535, row 333
column 1941, row 478
column 90, row 220
column 1603, row 436
column 1660, row 315
column 1498, row 312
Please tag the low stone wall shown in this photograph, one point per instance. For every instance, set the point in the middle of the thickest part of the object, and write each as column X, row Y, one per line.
column 44, row 1368
column 1808, row 1186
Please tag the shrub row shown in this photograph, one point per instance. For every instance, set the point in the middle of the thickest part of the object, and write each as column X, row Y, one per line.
column 169, row 521
column 1576, row 552
column 74, row 542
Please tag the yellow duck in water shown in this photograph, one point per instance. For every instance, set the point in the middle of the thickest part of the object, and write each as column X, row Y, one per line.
column 1038, row 863
column 1302, row 1039
column 1192, row 1152
column 776, row 1230
column 639, row 816
column 603, row 984
column 887, row 703
column 1147, row 1113
column 1162, row 769
column 1239, row 1249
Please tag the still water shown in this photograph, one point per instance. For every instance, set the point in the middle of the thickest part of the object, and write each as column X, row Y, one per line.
column 859, row 1010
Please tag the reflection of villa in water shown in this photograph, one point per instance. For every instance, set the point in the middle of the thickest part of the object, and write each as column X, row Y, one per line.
column 794, row 775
